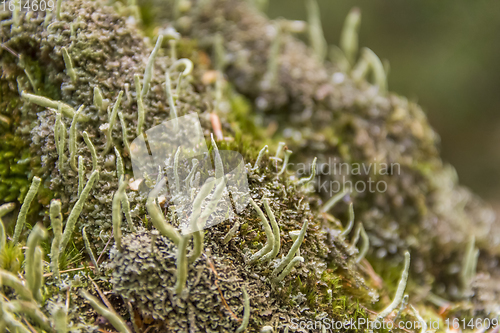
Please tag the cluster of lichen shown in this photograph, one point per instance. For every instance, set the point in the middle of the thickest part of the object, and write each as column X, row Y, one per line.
column 97, row 82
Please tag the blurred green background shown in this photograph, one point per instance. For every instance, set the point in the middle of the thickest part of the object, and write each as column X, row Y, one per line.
column 446, row 56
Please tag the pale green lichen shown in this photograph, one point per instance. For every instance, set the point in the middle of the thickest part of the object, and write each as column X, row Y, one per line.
column 75, row 212
column 109, row 314
column 56, row 223
column 117, row 213
column 69, row 65
column 350, row 223
column 21, row 219
column 73, row 139
column 269, row 234
column 148, row 73
column 181, row 264
column 349, row 35
column 398, row 297
column 291, row 253
column 246, row 312
column 158, row 219
column 93, row 153
column 295, row 261
column 34, row 274
column 316, row 37
column 259, row 157
column 276, row 233
column 111, row 122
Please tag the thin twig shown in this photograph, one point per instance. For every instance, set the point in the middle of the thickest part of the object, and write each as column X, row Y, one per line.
column 69, row 270
column 105, row 247
column 10, row 50
column 99, row 291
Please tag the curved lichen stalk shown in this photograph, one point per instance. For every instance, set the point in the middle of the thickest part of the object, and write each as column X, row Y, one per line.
column 398, row 298
column 75, row 212
column 157, row 217
column 291, row 253
column 269, row 234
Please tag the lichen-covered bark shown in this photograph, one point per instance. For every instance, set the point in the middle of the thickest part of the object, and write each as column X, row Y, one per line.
column 321, row 112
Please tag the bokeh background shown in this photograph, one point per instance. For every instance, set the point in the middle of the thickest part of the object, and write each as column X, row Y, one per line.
column 446, row 56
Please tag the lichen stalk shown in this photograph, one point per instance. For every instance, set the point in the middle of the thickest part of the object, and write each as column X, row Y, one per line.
column 285, row 162
column 276, row 233
column 364, row 248
column 91, row 147
column 246, row 312
column 70, row 70
column 67, row 110
column 181, row 263
column 21, row 219
column 56, row 223
column 423, row 324
column 37, row 234
column 306, row 180
column 259, row 158
column 157, row 217
column 141, row 113
column 124, row 132
column 148, row 72
column 333, row 200
column 117, row 213
column 60, row 318
column 291, row 253
column 73, row 138
column 60, row 137
column 75, row 212
column 115, row 320
column 349, row 35
column 4, row 209
column 81, row 175
column 10, row 280
column 269, row 234
column 350, row 224
column 398, row 298
column 219, row 168
column 316, row 36
column 111, row 122
column 295, row 261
